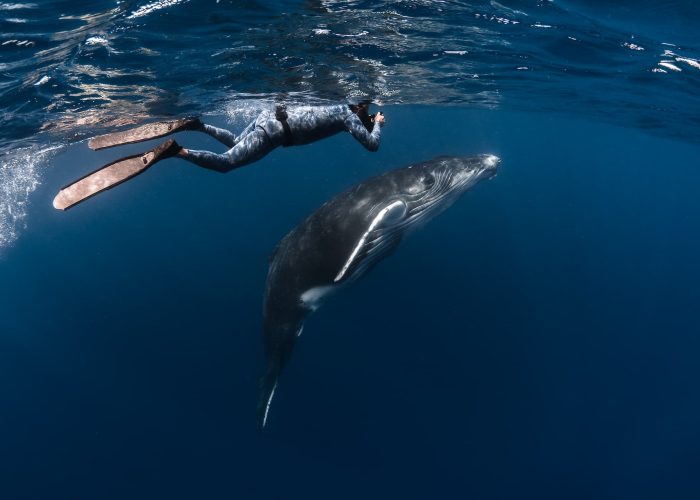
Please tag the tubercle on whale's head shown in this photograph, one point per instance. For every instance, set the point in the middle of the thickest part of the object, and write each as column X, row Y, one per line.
column 465, row 171
column 491, row 163
column 486, row 165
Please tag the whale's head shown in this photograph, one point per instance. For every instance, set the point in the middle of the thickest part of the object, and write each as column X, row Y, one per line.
column 429, row 188
column 456, row 174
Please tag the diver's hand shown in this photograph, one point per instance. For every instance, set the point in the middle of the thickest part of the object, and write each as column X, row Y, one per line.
column 379, row 118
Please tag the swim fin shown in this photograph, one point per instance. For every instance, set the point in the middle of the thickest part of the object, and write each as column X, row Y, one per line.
column 144, row 133
column 112, row 174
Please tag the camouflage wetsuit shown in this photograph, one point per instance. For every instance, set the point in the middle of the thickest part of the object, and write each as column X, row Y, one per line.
column 292, row 126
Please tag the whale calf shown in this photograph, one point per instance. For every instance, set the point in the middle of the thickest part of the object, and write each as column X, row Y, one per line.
column 341, row 241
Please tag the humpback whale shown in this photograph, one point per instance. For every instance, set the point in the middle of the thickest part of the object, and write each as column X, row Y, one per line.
column 344, row 238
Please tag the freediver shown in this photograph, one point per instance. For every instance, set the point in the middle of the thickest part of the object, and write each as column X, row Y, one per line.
column 292, row 126
column 283, row 126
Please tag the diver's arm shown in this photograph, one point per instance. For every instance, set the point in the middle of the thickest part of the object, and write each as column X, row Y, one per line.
column 357, row 129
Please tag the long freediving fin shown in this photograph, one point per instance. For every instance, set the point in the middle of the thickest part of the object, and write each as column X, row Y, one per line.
column 111, row 175
column 144, row 133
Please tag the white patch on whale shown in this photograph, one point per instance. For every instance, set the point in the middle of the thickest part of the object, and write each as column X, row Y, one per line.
column 267, row 405
column 312, row 298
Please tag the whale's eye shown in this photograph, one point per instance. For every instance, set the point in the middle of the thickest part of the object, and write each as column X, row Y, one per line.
column 428, row 180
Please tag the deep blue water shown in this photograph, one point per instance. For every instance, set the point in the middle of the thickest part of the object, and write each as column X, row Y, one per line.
column 538, row 340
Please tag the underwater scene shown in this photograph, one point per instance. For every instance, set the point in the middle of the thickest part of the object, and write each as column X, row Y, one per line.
column 330, row 249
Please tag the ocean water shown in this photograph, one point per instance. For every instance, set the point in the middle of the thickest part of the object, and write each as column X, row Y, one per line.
column 540, row 339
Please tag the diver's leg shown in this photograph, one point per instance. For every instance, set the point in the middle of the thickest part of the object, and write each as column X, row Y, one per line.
column 225, row 136
column 251, row 147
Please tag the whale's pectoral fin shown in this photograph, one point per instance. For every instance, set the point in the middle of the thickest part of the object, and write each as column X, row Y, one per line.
column 378, row 241
column 268, row 384
column 372, row 251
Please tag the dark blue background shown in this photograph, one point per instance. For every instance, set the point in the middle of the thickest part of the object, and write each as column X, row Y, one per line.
column 538, row 340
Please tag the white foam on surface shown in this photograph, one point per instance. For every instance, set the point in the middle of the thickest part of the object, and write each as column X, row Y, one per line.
column 669, row 65
column 19, row 43
column 153, row 6
column 633, row 46
column 690, row 62
column 17, row 6
column 19, row 178
column 44, row 79
column 96, row 40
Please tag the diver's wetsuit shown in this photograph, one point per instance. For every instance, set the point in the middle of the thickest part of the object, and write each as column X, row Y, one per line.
column 304, row 124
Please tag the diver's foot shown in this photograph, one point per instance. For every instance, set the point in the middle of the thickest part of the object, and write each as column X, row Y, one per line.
column 168, row 149
column 191, row 123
